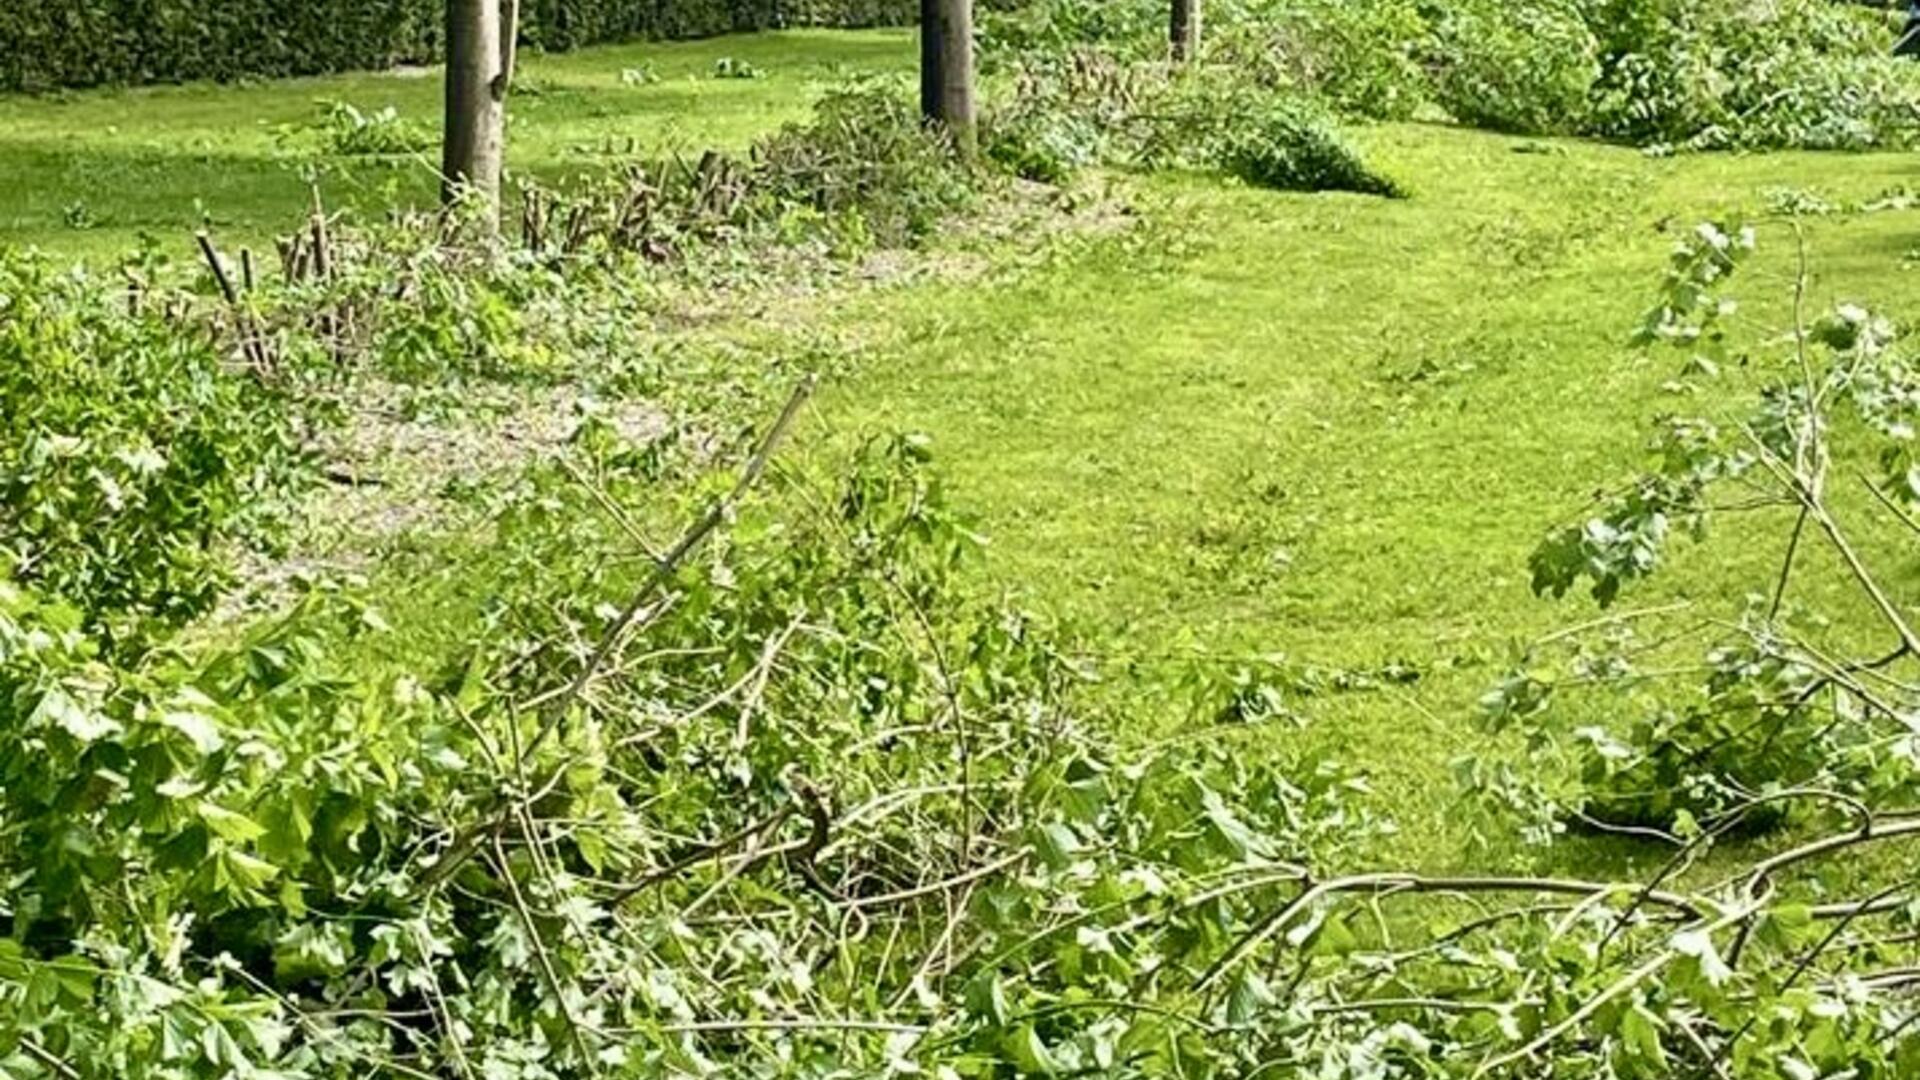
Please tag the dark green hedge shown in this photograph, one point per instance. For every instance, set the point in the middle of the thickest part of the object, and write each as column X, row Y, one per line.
column 53, row 43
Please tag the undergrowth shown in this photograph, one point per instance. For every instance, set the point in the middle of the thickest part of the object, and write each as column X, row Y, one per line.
column 1707, row 75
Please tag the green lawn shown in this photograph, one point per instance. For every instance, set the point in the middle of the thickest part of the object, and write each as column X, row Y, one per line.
column 1333, row 427
column 85, row 173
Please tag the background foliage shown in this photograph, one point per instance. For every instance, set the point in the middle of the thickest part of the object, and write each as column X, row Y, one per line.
column 1698, row 74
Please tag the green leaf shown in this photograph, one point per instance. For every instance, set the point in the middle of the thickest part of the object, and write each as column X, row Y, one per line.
column 200, row 730
column 1056, row 844
column 58, row 709
column 228, row 825
column 1334, row 939
column 987, row 998
column 246, row 872
column 1028, row 1053
column 1640, row 1032
column 1249, row 998
column 1698, row 946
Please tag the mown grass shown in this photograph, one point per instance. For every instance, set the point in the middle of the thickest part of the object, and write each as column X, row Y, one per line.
column 1333, row 427
column 86, row 173
column 1329, row 427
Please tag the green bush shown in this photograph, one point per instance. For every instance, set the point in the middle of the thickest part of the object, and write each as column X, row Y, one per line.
column 1043, row 147
column 1364, row 59
column 1067, row 111
column 1523, row 68
column 131, row 451
column 91, row 42
column 1805, row 73
column 866, row 155
column 1697, row 74
column 1296, row 147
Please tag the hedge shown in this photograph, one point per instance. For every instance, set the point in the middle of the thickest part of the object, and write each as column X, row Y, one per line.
column 53, row 43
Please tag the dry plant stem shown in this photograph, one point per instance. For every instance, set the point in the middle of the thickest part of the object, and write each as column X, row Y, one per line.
column 1899, row 512
column 1809, row 495
column 1858, row 569
column 437, row 1008
column 249, row 338
column 49, row 1060
column 967, row 878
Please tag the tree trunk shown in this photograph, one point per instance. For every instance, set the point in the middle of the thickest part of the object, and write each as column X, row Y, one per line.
column 930, row 58
column 1184, row 30
column 479, row 63
column 946, row 69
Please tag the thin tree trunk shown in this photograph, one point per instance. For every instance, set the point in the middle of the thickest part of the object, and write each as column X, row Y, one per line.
column 1184, row 30
column 476, row 109
column 946, row 69
column 930, row 60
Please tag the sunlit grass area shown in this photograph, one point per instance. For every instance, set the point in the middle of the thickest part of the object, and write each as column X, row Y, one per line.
column 87, row 173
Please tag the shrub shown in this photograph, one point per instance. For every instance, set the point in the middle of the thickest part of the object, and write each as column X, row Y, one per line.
column 1363, row 59
column 1527, row 68
column 1130, row 29
column 1698, row 74
column 131, row 450
column 1046, row 148
column 347, row 130
column 1792, row 73
column 1294, row 146
column 1066, row 112
column 865, row 152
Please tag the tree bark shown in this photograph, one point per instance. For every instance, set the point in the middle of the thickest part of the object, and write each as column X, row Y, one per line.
column 946, row 69
column 1184, row 30
column 479, row 56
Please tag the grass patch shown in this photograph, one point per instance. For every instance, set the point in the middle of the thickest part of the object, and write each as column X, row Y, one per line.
column 86, row 173
column 1333, row 427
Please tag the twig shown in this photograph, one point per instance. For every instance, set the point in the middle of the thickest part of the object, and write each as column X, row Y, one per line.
column 1599, row 1001
column 249, row 341
column 806, row 1024
column 1402, row 882
column 702, row 853
column 48, row 1058
column 971, row 876
column 547, row 971
column 670, row 562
